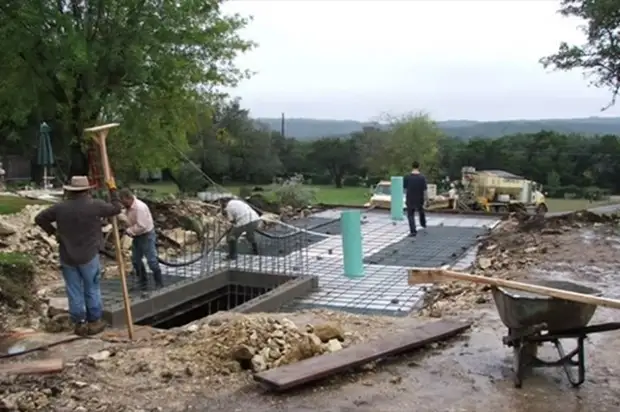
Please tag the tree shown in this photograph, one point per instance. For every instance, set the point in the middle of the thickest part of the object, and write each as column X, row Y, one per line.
column 336, row 156
column 599, row 57
column 410, row 138
column 143, row 62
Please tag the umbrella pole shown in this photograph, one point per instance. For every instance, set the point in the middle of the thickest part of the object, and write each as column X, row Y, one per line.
column 101, row 133
column 44, row 177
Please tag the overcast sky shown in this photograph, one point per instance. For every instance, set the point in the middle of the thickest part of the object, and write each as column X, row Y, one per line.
column 463, row 59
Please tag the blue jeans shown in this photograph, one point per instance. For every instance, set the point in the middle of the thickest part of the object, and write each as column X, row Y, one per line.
column 145, row 246
column 83, row 290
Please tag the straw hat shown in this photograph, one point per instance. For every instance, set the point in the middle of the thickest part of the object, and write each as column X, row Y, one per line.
column 78, row 184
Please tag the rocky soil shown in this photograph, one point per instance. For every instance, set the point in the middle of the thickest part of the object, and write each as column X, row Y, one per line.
column 220, row 352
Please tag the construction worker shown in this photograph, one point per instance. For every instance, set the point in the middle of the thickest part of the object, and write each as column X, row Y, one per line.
column 453, row 197
column 416, row 197
column 144, row 240
column 244, row 220
column 78, row 230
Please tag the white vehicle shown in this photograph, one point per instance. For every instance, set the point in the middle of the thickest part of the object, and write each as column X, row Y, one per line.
column 381, row 197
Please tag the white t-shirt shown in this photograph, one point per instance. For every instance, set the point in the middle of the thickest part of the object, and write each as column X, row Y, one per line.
column 240, row 212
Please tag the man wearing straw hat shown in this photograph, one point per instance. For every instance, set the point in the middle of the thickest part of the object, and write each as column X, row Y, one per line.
column 78, row 230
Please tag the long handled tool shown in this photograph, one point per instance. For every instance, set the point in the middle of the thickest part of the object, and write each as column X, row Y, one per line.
column 436, row 275
column 101, row 133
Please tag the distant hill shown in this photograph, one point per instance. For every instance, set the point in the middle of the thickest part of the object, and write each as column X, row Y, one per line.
column 306, row 129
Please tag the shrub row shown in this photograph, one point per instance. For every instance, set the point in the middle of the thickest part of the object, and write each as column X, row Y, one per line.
column 576, row 192
column 348, row 181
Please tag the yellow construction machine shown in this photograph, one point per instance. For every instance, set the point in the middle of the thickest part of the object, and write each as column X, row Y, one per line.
column 498, row 191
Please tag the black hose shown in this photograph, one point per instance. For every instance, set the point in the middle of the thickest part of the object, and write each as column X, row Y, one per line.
column 209, row 250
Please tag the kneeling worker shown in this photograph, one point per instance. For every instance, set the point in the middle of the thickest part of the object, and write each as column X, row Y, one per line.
column 244, row 220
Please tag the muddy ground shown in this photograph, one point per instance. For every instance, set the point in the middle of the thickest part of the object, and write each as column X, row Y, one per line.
column 473, row 372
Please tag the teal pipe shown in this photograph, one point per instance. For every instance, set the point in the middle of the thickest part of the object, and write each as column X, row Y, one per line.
column 397, row 203
column 352, row 252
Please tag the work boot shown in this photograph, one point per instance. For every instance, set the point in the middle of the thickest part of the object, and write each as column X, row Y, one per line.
column 232, row 250
column 255, row 248
column 81, row 329
column 96, row 327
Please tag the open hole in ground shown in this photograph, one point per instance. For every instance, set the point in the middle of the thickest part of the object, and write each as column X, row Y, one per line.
column 226, row 291
column 224, row 298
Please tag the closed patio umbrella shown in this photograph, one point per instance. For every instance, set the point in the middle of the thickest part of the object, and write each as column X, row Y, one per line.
column 45, row 156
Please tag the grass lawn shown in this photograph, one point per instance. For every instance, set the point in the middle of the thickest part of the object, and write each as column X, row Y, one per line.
column 565, row 205
column 357, row 196
column 160, row 188
column 354, row 196
column 14, row 204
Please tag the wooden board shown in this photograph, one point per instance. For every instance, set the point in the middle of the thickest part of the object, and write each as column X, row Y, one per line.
column 32, row 367
column 308, row 370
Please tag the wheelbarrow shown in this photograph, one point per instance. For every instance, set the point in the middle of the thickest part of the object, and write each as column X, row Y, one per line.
column 535, row 313
column 534, row 319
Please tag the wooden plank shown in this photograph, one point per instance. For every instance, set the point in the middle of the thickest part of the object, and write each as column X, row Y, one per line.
column 426, row 275
column 33, row 367
column 308, row 370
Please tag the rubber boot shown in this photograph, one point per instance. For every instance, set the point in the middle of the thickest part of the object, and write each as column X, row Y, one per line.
column 159, row 283
column 232, row 250
column 141, row 281
column 255, row 248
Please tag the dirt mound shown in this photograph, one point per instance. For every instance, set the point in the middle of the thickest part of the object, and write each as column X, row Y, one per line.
column 226, row 346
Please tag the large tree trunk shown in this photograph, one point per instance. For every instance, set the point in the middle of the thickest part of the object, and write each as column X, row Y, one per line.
column 79, row 117
column 79, row 161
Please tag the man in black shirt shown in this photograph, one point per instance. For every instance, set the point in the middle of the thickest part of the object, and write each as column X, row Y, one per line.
column 78, row 230
column 415, row 188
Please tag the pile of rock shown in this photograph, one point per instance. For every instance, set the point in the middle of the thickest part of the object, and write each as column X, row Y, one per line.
column 255, row 343
column 18, row 233
column 222, row 347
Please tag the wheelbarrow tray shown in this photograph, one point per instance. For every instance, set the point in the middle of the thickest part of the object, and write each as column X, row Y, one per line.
column 519, row 310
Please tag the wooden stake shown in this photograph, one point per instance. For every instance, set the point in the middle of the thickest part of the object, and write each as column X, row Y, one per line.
column 101, row 133
column 36, row 367
column 435, row 275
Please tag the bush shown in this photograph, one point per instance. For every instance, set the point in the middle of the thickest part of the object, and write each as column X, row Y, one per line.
column 319, row 179
column 245, row 192
column 352, row 181
column 372, row 181
column 294, row 193
column 595, row 193
column 190, row 180
column 575, row 192
column 17, row 274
